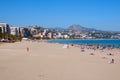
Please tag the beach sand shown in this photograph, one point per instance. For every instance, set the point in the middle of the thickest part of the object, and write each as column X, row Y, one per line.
column 48, row 61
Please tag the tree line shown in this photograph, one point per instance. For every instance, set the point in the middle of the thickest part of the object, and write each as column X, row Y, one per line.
column 10, row 37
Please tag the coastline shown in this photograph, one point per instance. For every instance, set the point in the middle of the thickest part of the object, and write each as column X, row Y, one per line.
column 105, row 43
column 84, row 39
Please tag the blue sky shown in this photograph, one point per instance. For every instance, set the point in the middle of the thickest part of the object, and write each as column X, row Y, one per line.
column 99, row 14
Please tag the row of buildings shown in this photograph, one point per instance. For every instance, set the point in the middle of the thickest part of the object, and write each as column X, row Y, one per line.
column 39, row 32
column 32, row 31
column 6, row 28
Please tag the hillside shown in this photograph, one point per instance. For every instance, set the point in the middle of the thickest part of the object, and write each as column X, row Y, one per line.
column 80, row 28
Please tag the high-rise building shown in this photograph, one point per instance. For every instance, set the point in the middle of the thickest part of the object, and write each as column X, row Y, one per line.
column 21, row 31
column 25, row 32
column 4, row 28
column 14, row 30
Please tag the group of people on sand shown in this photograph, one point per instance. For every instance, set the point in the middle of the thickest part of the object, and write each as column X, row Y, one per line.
column 82, row 50
column 94, row 47
column 90, row 46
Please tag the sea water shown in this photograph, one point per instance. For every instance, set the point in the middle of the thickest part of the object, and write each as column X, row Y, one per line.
column 115, row 42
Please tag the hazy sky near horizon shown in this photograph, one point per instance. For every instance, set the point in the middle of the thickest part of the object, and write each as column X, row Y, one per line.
column 98, row 14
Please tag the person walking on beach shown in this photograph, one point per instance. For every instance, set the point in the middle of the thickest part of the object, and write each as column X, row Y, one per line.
column 27, row 49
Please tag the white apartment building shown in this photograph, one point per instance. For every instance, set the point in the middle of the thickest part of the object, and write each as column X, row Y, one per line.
column 14, row 30
column 4, row 28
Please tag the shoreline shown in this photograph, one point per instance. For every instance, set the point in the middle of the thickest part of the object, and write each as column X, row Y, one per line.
column 93, row 43
column 83, row 39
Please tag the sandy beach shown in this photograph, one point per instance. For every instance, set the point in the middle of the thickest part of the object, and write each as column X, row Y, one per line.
column 49, row 61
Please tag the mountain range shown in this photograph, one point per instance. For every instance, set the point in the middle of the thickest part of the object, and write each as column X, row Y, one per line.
column 79, row 28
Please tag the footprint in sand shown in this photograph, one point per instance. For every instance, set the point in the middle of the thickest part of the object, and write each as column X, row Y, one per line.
column 41, row 77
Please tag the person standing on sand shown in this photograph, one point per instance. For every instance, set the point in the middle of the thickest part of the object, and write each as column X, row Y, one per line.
column 27, row 49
